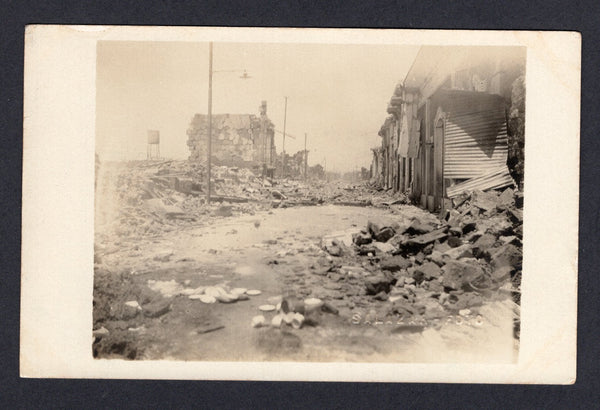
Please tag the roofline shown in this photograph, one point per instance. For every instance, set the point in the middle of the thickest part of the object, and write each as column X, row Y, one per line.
column 412, row 65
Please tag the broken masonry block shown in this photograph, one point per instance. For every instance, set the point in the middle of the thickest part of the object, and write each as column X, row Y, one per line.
column 458, row 274
column 453, row 241
column 428, row 270
column 506, row 255
column 385, row 234
column 428, row 237
column 481, row 245
column 418, row 228
column 362, row 238
column 379, row 283
column 395, row 263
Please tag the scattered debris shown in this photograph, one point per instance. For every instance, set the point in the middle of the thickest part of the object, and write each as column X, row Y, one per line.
column 207, row 299
column 134, row 304
column 208, row 329
column 150, row 198
column 166, row 288
column 329, row 308
column 276, row 321
column 157, row 308
column 292, row 304
column 410, row 266
column 297, row 320
column 258, row 321
column 227, row 298
column 100, row 332
column 429, row 267
column 312, row 304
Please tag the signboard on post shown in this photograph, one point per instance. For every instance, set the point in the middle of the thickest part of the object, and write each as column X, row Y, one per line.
column 153, row 144
column 153, row 137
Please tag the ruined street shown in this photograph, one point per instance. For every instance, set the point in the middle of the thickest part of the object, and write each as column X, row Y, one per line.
column 288, row 270
column 309, row 212
column 301, row 205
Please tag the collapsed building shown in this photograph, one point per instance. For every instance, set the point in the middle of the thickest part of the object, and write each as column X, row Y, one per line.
column 238, row 140
column 455, row 124
column 295, row 165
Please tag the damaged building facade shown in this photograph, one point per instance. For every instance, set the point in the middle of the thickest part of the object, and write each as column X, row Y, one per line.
column 294, row 164
column 455, row 124
column 239, row 140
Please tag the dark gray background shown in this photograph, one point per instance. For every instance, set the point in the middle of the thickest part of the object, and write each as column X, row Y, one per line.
column 582, row 16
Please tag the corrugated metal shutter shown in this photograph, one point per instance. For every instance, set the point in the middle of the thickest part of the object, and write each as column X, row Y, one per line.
column 498, row 178
column 474, row 142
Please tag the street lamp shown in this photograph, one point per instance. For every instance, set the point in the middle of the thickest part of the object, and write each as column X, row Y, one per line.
column 209, row 150
column 283, row 144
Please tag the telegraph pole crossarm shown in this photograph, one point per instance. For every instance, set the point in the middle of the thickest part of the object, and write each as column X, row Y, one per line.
column 283, row 144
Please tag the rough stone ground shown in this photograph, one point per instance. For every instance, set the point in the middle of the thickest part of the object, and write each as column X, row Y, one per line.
column 400, row 284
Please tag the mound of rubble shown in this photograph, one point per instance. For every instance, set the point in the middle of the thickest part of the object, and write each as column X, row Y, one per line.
column 148, row 198
column 426, row 268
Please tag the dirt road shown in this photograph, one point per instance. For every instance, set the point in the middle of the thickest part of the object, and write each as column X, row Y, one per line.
column 145, row 306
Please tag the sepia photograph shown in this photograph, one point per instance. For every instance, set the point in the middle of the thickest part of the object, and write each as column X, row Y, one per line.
column 300, row 204
column 308, row 202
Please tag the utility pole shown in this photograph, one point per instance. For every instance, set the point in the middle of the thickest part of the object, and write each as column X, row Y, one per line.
column 210, row 74
column 305, row 157
column 245, row 76
column 283, row 145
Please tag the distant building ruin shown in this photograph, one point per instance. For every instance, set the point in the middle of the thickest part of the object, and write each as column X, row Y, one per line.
column 294, row 164
column 241, row 140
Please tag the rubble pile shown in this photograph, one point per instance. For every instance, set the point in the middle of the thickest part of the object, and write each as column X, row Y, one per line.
column 128, row 310
column 427, row 268
column 401, row 266
column 144, row 198
column 121, row 308
column 336, row 193
column 149, row 198
column 361, row 194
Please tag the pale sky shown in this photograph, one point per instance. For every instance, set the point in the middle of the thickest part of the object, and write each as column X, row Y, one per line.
column 337, row 94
